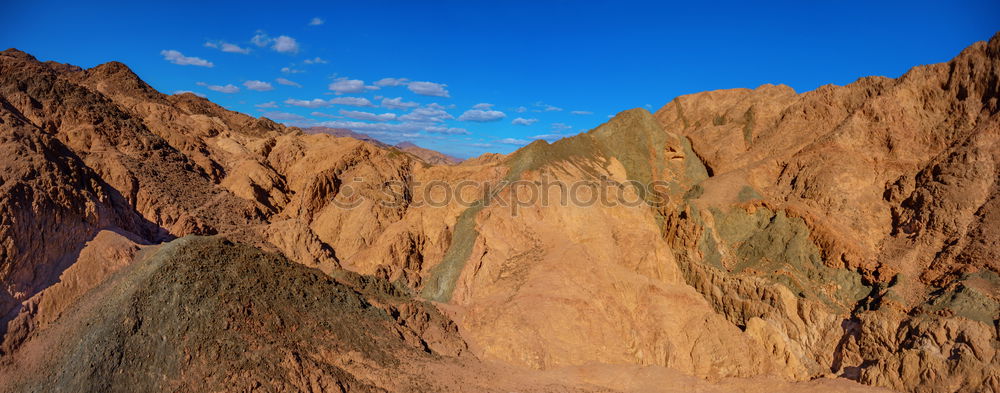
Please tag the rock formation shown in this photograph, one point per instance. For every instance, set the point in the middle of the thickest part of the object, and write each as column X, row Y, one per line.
column 828, row 240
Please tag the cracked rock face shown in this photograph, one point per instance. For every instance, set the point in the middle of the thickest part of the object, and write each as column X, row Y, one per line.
column 828, row 240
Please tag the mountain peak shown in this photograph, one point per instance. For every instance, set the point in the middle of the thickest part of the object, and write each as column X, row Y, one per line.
column 17, row 53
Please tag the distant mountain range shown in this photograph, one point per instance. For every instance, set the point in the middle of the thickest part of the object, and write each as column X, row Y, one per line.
column 427, row 155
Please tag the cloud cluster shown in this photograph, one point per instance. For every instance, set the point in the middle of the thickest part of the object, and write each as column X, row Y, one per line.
column 313, row 103
column 402, row 118
column 280, row 44
column 513, row 141
column 258, row 86
column 547, row 108
column 327, row 115
column 375, row 128
column 429, row 114
column 286, row 82
column 447, row 130
column 418, row 123
column 344, row 85
column 368, row 115
column 319, row 103
column 315, row 60
column 285, row 44
column 481, row 116
column 227, row 47
column 423, row 88
column 351, row 101
column 428, row 89
column 228, row 89
column 398, row 103
column 386, row 82
column 520, row 121
column 178, row 58
column 285, row 116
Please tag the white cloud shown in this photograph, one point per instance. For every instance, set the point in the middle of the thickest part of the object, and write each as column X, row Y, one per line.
column 313, row 103
column 281, row 44
column 258, row 86
column 483, row 106
column 428, row 89
column 327, row 115
column 233, row 48
column 228, row 89
column 286, row 82
column 318, row 102
column 179, row 59
column 290, row 70
column 582, row 113
column 513, row 141
column 386, row 82
column 368, row 115
column 227, row 47
column 284, row 116
column 561, row 126
column 285, row 44
column 543, row 107
column 315, row 60
column 316, row 22
column 521, row 109
column 269, row 104
column 398, row 103
column 520, row 121
column 427, row 115
column 447, row 130
column 481, row 116
column 345, row 85
column 260, row 39
column 549, row 136
column 376, row 128
column 350, row 101
column 189, row 91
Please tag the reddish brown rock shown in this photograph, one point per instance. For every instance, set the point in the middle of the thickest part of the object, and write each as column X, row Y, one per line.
column 850, row 232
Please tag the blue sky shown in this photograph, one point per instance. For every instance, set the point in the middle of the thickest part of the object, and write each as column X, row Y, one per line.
column 457, row 75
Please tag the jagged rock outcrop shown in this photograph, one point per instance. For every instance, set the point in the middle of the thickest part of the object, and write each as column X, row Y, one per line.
column 894, row 182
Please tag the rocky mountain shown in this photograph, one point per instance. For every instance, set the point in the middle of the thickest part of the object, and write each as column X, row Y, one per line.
column 427, row 155
column 842, row 239
column 344, row 133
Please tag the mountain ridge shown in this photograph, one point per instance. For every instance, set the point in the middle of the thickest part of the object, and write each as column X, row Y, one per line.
column 839, row 235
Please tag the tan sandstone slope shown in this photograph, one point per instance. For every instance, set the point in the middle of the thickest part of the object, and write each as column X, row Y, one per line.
column 849, row 232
